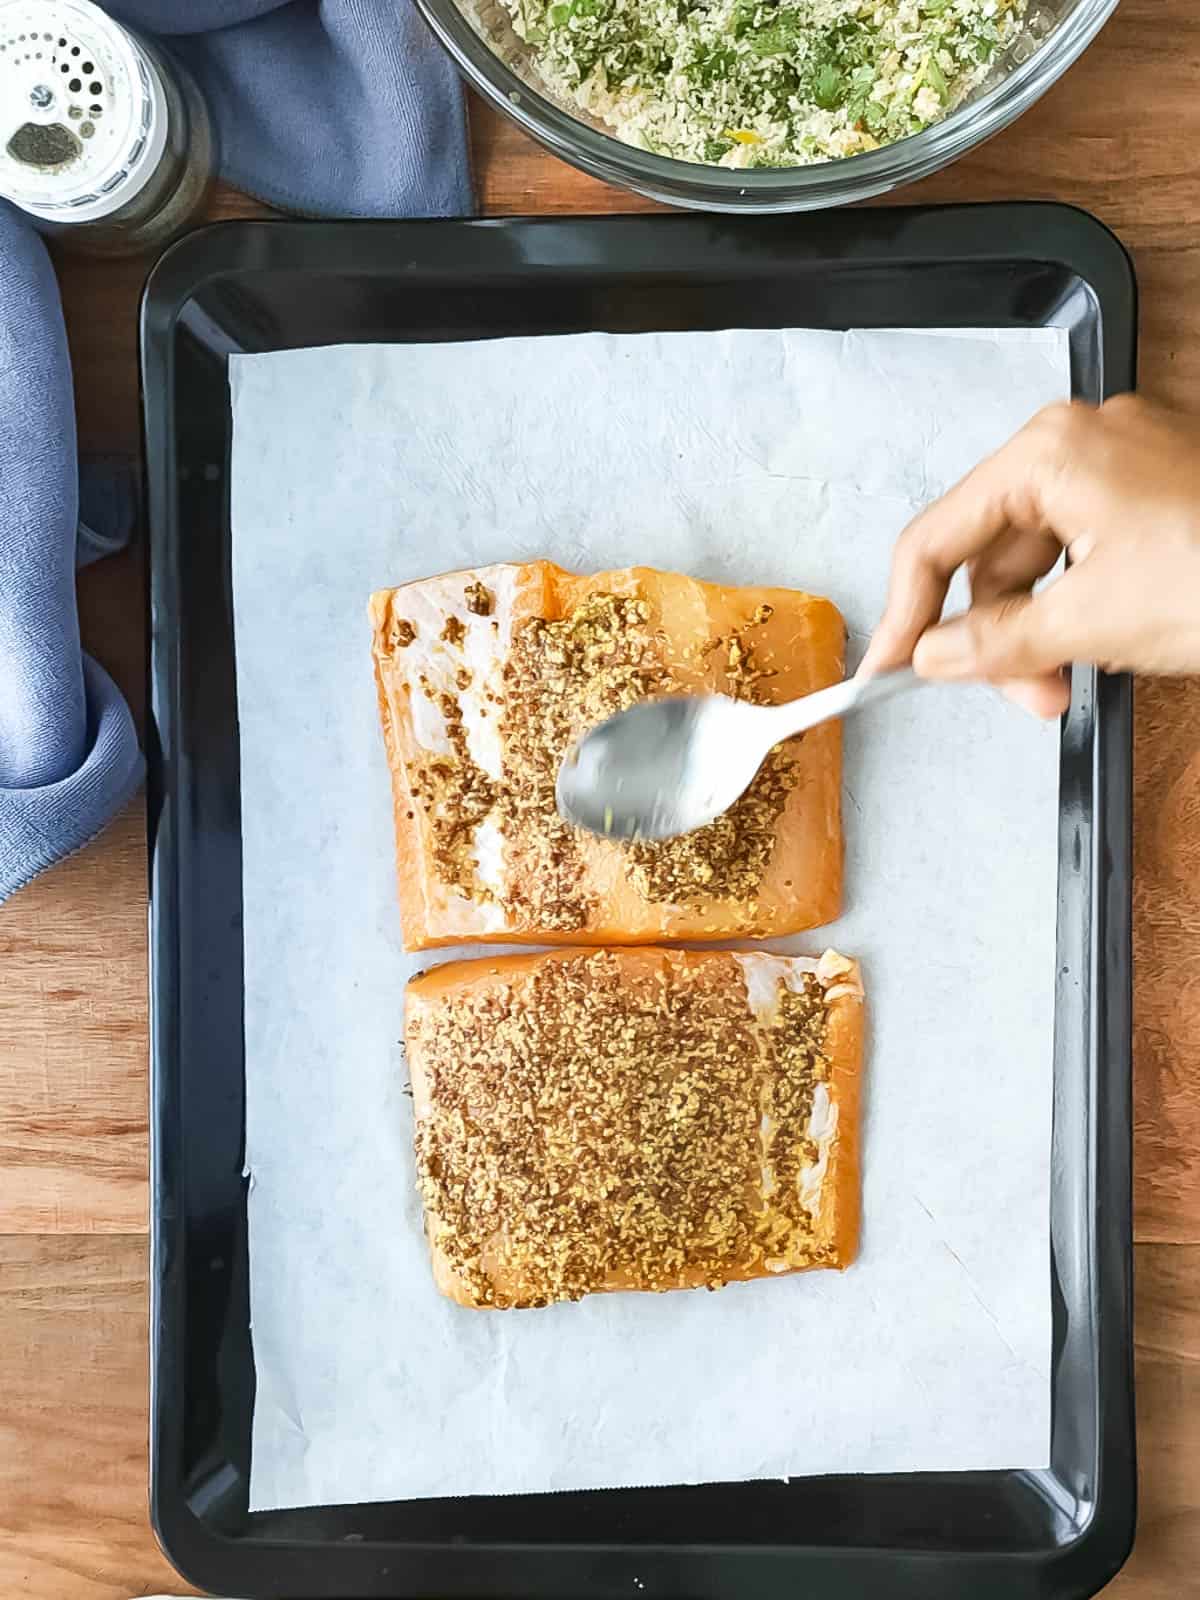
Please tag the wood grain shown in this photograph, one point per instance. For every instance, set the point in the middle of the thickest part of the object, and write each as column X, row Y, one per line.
column 1118, row 136
column 1167, row 961
column 73, row 1057
column 1165, row 1564
column 73, row 1404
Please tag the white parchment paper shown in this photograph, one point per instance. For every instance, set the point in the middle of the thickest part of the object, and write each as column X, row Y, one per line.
column 747, row 457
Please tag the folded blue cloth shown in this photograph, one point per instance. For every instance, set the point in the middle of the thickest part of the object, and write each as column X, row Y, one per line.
column 330, row 107
column 344, row 107
column 69, row 755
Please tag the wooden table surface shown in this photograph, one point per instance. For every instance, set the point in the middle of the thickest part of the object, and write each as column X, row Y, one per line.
column 1119, row 135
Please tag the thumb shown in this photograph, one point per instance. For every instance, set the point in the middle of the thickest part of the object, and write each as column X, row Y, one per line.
column 1010, row 638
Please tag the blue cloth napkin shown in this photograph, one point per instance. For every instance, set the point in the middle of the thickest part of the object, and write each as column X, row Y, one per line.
column 329, row 107
column 69, row 755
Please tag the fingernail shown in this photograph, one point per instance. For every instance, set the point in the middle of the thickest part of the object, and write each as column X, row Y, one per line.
column 946, row 651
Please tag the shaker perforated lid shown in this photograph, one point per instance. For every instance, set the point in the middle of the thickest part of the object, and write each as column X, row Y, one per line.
column 83, row 114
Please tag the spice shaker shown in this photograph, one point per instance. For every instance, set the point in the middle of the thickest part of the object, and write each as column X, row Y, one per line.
column 104, row 140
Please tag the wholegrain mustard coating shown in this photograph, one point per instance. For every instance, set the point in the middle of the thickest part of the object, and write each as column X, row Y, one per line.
column 560, row 678
column 584, row 1132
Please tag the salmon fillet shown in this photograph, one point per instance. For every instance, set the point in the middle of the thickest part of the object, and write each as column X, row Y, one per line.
column 486, row 678
column 634, row 1119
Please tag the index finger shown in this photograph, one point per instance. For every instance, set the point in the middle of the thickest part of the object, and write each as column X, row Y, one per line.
column 1007, row 491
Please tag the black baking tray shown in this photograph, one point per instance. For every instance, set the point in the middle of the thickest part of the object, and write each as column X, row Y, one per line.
column 269, row 286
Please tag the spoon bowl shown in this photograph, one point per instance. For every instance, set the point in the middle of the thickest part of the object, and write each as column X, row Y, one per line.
column 666, row 767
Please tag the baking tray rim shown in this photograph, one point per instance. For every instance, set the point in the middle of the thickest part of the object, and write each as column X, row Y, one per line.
column 232, row 248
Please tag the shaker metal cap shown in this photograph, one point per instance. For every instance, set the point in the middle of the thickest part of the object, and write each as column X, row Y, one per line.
column 83, row 113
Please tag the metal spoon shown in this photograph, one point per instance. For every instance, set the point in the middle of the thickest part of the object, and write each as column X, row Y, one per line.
column 666, row 767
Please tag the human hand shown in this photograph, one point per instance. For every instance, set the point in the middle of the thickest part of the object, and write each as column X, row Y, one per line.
column 1119, row 489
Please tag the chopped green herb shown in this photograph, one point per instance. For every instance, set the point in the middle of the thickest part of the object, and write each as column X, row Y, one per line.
column 829, row 89
column 874, row 115
column 765, row 83
column 777, row 37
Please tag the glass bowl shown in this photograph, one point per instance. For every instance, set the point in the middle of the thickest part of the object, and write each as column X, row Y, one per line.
column 497, row 63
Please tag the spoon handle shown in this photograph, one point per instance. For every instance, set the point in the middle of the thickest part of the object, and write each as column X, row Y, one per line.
column 883, row 685
column 797, row 716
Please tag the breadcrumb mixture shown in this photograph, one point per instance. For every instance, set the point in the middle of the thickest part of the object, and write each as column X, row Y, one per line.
column 764, row 83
